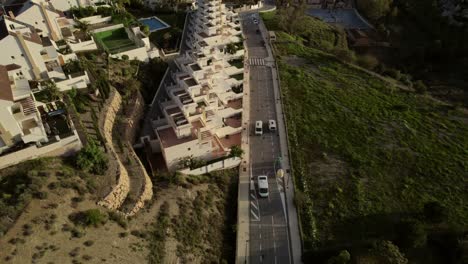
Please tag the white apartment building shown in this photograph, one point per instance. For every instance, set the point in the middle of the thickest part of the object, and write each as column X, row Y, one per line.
column 20, row 121
column 37, row 56
column 64, row 5
column 202, row 118
column 42, row 16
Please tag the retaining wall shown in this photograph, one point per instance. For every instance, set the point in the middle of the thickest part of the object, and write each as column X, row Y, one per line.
column 220, row 165
column 120, row 191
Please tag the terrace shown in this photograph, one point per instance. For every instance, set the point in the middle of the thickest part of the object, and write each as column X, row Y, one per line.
column 195, row 67
column 190, row 82
column 115, row 41
column 55, row 119
column 168, row 137
column 234, row 121
column 235, row 104
column 230, row 141
column 184, row 97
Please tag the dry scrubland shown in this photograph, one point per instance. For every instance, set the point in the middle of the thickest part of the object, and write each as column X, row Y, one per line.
column 189, row 220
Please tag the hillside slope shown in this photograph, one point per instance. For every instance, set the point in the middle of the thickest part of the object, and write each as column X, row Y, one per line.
column 369, row 157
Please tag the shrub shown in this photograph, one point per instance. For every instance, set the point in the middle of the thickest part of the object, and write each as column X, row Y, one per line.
column 90, row 217
column 125, row 57
column 344, row 54
column 395, row 74
column 119, row 219
column 420, row 87
column 88, row 243
column 368, row 61
column 92, row 158
column 411, row 234
column 77, row 233
column 434, row 212
column 236, row 151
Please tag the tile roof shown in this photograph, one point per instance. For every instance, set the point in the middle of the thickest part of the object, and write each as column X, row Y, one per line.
column 5, row 87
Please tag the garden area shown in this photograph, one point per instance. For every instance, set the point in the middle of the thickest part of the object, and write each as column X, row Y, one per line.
column 377, row 170
column 115, row 41
column 169, row 39
column 238, row 63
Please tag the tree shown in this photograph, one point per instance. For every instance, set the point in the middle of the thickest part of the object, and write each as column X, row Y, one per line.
column 411, row 234
column 389, row 252
column 91, row 158
column 375, row 9
column 83, row 26
column 236, row 151
column 342, row 258
column 420, row 87
column 51, row 91
column 231, row 48
column 435, row 212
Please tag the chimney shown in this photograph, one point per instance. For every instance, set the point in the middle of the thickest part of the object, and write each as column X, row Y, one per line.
column 11, row 15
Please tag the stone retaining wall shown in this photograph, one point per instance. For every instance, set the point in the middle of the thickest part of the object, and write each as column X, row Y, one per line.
column 147, row 193
column 120, row 191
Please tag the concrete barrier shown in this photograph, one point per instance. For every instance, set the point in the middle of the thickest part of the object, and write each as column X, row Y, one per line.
column 220, row 165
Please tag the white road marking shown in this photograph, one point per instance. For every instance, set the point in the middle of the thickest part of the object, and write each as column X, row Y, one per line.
column 253, row 204
column 253, row 196
column 254, row 215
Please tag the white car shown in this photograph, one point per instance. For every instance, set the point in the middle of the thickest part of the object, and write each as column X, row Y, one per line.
column 263, row 186
column 272, row 125
column 259, row 128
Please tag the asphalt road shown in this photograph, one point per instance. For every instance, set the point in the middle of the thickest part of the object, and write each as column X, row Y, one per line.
column 269, row 241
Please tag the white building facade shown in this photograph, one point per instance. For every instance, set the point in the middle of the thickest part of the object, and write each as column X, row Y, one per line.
column 202, row 116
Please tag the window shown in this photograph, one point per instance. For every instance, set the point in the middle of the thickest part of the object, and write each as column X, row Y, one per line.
column 22, row 55
column 188, row 149
column 13, row 57
column 35, row 23
column 12, row 26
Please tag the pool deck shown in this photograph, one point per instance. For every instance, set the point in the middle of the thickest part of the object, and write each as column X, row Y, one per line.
column 156, row 18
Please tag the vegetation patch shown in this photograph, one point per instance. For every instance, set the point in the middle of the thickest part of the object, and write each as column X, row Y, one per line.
column 368, row 158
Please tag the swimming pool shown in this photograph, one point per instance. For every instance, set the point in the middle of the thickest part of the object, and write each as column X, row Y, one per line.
column 154, row 23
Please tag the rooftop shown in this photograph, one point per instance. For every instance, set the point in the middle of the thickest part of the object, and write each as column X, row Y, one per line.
column 168, row 137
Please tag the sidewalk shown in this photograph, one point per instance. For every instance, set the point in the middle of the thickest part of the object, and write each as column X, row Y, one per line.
column 292, row 219
column 243, row 206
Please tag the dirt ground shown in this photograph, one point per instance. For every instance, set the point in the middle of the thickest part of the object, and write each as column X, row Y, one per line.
column 57, row 246
column 44, row 233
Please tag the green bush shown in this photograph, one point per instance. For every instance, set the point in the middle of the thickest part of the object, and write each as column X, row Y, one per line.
column 91, row 158
column 91, row 217
column 368, row 61
column 420, row 87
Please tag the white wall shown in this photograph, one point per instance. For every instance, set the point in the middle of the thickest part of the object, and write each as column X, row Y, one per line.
column 8, row 121
column 83, row 46
column 62, row 147
column 193, row 148
column 107, row 28
column 220, row 165
column 138, row 53
column 96, row 19
column 34, row 17
column 79, row 82
column 15, row 52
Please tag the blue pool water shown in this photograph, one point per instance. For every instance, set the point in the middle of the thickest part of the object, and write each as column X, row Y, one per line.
column 154, row 23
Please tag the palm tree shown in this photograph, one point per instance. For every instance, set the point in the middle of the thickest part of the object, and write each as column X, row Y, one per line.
column 52, row 92
column 83, row 26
